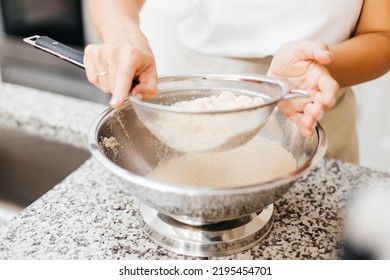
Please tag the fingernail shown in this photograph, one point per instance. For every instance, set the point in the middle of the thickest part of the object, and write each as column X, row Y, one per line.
column 328, row 53
column 114, row 101
column 138, row 96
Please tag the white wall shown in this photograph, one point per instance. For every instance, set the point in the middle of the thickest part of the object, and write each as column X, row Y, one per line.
column 374, row 122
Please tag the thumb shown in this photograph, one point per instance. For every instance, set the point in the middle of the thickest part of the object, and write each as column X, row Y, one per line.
column 147, row 85
column 314, row 51
column 145, row 89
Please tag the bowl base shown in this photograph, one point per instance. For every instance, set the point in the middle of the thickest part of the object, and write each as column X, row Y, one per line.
column 217, row 239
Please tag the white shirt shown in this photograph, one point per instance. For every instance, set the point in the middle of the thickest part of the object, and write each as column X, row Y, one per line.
column 256, row 28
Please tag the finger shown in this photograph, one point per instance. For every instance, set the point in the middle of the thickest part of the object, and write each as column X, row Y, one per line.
column 94, row 62
column 121, row 84
column 293, row 106
column 314, row 110
column 328, row 88
column 104, row 83
column 306, row 125
column 306, row 132
column 296, row 118
column 102, row 67
column 121, row 69
column 90, row 54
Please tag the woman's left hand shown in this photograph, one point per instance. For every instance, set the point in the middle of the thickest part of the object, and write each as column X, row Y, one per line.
column 302, row 66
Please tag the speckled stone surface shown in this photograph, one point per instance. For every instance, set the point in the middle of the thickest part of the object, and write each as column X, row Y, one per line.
column 47, row 114
column 89, row 216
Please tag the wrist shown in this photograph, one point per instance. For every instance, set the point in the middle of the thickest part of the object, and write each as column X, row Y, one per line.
column 112, row 34
column 123, row 37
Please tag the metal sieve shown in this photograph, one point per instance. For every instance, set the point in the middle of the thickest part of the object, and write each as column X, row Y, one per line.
column 209, row 130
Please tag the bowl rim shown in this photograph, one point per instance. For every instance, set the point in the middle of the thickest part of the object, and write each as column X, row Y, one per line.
column 284, row 90
column 158, row 186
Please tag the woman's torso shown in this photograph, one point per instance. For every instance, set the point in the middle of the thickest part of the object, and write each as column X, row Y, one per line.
column 256, row 28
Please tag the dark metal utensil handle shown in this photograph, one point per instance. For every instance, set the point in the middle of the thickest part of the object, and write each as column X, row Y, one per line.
column 57, row 49
column 62, row 51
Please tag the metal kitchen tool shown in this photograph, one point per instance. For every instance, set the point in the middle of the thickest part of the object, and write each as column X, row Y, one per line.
column 200, row 130
column 209, row 130
column 197, row 221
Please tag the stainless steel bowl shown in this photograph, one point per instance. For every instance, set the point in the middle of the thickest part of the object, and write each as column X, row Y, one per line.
column 122, row 144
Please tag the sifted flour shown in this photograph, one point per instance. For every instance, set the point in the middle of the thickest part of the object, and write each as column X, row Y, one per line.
column 257, row 161
column 210, row 132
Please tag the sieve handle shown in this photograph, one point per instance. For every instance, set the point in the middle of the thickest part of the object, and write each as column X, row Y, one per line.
column 61, row 51
column 296, row 93
column 57, row 49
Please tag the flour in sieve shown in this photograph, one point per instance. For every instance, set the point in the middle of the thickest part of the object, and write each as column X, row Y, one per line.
column 257, row 161
column 204, row 132
column 226, row 100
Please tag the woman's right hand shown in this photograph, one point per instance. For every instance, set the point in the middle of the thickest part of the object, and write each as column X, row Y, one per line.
column 113, row 65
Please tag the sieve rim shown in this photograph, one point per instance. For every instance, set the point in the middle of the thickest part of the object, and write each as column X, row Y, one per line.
column 284, row 90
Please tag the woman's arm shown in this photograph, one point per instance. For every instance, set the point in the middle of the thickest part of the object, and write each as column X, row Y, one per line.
column 115, row 18
column 124, row 54
column 366, row 55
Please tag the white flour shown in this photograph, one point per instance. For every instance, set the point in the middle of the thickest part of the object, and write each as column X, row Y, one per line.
column 209, row 132
column 257, row 161
column 223, row 101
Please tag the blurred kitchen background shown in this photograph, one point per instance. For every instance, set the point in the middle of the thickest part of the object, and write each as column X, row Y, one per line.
column 67, row 21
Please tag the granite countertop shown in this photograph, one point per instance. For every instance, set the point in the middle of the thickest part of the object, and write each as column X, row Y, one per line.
column 89, row 216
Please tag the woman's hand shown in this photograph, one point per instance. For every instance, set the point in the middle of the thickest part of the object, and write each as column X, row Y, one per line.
column 302, row 66
column 113, row 65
